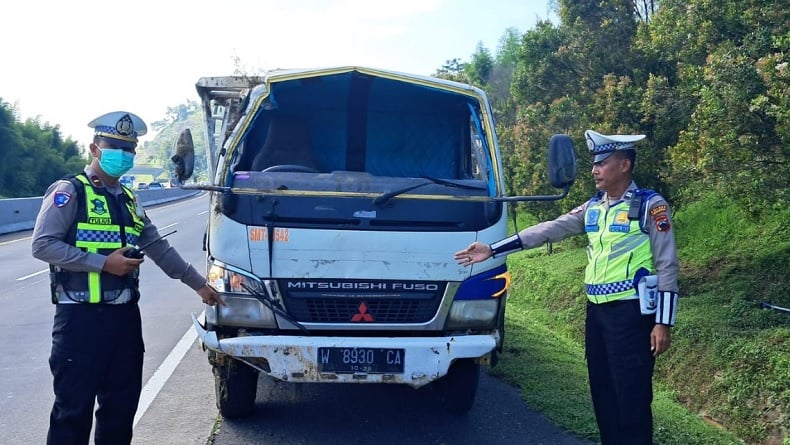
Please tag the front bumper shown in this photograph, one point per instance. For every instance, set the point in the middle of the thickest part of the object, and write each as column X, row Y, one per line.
column 294, row 358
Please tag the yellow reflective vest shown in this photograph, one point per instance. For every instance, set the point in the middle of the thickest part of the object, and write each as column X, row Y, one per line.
column 617, row 250
column 104, row 223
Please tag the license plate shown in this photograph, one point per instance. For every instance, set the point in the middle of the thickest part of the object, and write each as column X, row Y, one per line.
column 368, row 360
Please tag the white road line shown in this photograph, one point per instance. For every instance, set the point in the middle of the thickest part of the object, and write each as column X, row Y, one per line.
column 32, row 275
column 14, row 240
column 163, row 373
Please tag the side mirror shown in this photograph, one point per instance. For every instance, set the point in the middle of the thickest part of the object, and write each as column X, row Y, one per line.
column 184, row 156
column 561, row 167
column 562, row 161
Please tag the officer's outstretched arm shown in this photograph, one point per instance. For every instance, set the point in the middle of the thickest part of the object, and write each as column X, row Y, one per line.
column 475, row 253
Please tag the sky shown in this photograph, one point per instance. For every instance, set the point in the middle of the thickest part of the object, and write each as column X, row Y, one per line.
column 66, row 63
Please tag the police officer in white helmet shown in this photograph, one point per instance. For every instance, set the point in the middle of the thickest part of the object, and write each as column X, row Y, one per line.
column 85, row 225
column 630, row 280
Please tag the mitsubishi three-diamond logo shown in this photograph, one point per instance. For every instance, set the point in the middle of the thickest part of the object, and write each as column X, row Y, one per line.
column 362, row 315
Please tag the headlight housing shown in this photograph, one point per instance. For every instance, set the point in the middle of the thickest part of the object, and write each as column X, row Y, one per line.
column 476, row 303
column 473, row 314
column 241, row 308
column 228, row 279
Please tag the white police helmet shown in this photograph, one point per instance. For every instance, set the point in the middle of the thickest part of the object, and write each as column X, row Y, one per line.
column 602, row 146
column 120, row 128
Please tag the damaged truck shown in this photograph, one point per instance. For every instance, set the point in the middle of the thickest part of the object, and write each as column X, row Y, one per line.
column 338, row 197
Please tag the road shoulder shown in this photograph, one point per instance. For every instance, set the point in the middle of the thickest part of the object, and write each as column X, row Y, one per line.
column 184, row 411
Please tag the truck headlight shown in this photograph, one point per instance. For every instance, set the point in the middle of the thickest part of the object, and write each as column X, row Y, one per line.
column 241, row 307
column 244, row 311
column 226, row 279
column 476, row 303
column 473, row 314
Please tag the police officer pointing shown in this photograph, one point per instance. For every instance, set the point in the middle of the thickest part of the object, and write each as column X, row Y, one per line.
column 630, row 280
column 86, row 223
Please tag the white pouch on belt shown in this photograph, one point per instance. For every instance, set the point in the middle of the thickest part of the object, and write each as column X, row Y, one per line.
column 647, row 288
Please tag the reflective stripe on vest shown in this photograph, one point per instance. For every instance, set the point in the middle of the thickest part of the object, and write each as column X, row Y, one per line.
column 96, row 232
column 617, row 250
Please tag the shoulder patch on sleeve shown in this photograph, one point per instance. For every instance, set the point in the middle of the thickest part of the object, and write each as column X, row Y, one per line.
column 576, row 210
column 662, row 222
column 658, row 209
column 61, row 198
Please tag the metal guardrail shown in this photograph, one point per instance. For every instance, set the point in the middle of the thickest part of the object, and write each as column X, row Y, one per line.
column 18, row 214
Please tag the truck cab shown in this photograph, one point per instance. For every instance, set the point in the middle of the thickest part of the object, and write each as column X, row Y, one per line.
column 338, row 199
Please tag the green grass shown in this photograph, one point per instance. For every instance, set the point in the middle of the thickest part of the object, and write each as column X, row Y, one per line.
column 726, row 378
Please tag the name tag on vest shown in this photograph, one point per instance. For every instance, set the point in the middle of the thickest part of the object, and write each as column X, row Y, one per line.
column 621, row 222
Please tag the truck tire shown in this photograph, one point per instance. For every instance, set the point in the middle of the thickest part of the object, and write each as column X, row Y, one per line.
column 235, row 387
column 457, row 390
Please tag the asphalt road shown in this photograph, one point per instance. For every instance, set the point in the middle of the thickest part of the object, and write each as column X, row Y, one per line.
column 25, row 380
column 177, row 405
column 387, row 415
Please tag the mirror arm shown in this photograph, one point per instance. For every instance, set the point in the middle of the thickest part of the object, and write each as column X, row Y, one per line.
column 210, row 188
column 564, row 193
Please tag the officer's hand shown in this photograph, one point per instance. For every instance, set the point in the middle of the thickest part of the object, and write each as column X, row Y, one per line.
column 210, row 296
column 117, row 264
column 475, row 253
column 660, row 339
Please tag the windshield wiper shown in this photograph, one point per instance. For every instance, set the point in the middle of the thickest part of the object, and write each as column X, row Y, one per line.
column 274, row 306
column 462, row 185
column 384, row 197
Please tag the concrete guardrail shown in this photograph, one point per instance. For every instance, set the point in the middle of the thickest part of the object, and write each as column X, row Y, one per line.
column 17, row 214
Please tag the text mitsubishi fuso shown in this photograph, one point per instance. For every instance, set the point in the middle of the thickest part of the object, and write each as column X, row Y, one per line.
column 338, row 198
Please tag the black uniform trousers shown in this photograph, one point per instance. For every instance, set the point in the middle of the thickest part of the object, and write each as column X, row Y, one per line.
column 97, row 356
column 620, row 367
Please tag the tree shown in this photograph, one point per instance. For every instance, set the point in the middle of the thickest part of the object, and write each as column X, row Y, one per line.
column 540, row 75
column 10, row 145
column 500, row 79
column 452, row 69
column 34, row 155
column 716, row 96
column 645, row 9
column 478, row 70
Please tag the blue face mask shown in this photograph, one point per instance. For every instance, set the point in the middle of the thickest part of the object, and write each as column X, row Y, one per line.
column 115, row 162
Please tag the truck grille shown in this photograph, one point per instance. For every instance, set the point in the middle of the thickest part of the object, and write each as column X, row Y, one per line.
column 351, row 301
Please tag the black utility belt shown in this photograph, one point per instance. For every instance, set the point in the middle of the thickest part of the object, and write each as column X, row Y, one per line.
column 114, row 296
